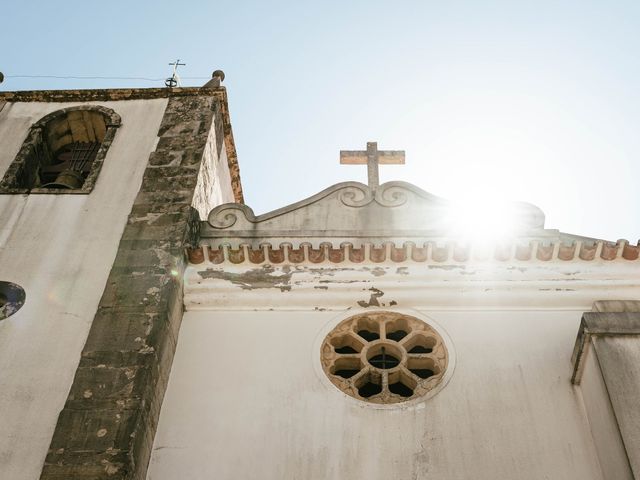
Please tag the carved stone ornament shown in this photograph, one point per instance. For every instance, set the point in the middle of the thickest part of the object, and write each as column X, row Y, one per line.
column 384, row 357
column 351, row 209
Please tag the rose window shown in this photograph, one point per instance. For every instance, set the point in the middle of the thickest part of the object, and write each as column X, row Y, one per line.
column 384, row 357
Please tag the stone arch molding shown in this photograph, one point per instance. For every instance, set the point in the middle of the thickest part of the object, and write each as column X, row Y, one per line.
column 114, row 118
column 22, row 174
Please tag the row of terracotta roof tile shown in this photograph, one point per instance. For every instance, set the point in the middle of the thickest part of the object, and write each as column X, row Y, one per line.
column 429, row 251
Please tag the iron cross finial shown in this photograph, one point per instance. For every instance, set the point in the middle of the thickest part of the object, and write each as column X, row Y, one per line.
column 372, row 157
column 174, row 79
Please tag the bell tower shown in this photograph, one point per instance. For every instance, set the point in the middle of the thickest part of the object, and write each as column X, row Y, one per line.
column 108, row 187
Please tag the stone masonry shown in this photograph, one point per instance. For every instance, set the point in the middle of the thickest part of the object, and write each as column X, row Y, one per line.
column 107, row 426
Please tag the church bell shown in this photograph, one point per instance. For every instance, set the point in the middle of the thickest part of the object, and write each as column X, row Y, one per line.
column 67, row 179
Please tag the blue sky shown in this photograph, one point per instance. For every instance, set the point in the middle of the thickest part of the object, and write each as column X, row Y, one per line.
column 533, row 101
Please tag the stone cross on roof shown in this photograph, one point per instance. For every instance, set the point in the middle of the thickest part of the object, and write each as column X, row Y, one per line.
column 372, row 157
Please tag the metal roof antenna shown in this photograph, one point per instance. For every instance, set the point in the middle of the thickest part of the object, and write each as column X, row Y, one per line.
column 174, row 80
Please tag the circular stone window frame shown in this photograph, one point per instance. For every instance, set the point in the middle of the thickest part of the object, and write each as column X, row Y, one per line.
column 412, row 402
column 12, row 298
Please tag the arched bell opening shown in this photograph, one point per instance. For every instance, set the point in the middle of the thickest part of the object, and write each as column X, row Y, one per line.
column 63, row 151
column 72, row 141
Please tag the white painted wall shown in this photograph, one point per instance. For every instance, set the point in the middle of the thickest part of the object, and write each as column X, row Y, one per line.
column 60, row 249
column 602, row 421
column 247, row 400
column 214, row 179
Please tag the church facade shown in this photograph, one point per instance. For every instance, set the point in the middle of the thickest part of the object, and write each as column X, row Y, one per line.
column 154, row 327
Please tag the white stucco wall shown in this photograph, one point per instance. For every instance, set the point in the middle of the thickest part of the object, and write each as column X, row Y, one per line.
column 214, row 180
column 60, row 249
column 602, row 420
column 247, row 399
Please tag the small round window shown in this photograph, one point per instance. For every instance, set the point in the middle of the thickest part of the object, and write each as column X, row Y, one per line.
column 12, row 298
column 384, row 357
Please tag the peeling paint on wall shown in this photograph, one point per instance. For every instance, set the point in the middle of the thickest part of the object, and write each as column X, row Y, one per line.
column 373, row 299
column 256, row 278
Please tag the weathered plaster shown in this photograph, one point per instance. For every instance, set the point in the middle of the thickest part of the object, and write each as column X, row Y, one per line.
column 107, row 426
column 509, row 410
column 474, row 285
column 60, row 249
column 510, row 309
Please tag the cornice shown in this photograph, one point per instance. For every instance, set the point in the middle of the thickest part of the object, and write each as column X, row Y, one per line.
column 109, row 94
column 429, row 252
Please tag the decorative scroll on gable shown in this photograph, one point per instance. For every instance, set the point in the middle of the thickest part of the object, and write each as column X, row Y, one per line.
column 352, row 210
